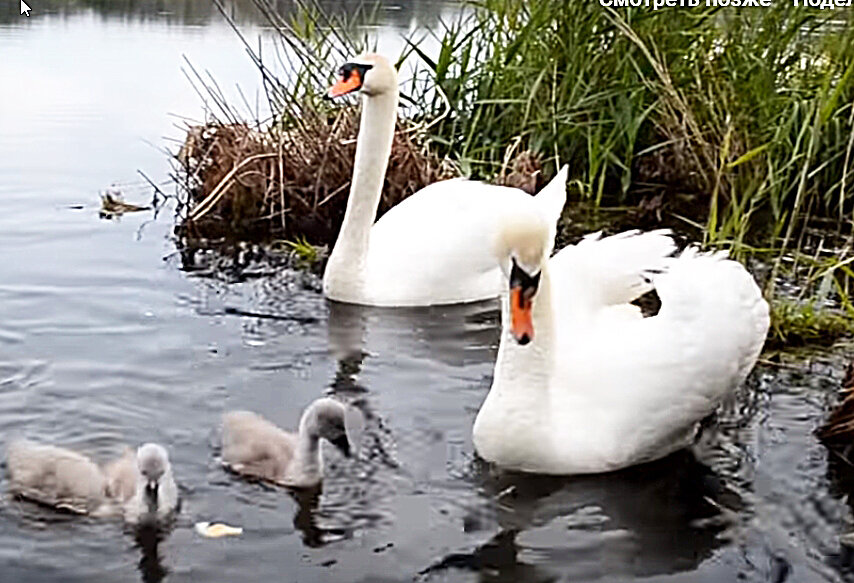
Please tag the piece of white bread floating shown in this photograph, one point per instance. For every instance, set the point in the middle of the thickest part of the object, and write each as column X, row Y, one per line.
column 217, row 529
column 139, row 485
column 254, row 447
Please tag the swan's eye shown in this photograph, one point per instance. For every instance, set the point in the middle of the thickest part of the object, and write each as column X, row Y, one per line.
column 526, row 283
column 351, row 76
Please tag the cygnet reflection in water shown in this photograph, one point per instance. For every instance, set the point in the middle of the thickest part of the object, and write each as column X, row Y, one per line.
column 148, row 538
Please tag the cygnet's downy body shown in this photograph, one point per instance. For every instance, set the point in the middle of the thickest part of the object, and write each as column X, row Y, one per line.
column 254, row 447
column 139, row 485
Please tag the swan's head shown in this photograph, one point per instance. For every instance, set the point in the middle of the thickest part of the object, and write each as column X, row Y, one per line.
column 153, row 464
column 369, row 73
column 335, row 422
column 523, row 249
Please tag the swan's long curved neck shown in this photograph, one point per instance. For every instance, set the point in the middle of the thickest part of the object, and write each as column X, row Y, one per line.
column 529, row 367
column 373, row 148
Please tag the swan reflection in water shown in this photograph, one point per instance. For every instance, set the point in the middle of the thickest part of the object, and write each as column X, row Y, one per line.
column 455, row 336
column 656, row 519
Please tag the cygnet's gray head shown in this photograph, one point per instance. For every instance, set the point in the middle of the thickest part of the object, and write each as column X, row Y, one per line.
column 153, row 463
column 333, row 421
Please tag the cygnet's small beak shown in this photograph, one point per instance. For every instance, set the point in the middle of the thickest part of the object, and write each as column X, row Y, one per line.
column 151, row 491
column 342, row 443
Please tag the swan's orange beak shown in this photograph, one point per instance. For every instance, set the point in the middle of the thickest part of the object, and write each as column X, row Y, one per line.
column 523, row 288
column 520, row 315
column 348, row 82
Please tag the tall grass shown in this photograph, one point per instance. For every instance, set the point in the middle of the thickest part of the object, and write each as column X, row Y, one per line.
column 747, row 111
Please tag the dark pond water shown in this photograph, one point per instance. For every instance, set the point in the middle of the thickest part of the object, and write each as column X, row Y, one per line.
column 106, row 339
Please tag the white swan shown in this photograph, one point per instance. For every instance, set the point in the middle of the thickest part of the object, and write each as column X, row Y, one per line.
column 254, row 447
column 435, row 247
column 583, row 383
column 138, row 485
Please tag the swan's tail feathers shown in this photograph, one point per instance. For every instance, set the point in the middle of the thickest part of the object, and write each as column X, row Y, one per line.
column 552, row 198
column 616, row 269
column 717, row 298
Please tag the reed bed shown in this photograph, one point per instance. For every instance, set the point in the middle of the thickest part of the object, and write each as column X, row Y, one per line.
column 250, row 184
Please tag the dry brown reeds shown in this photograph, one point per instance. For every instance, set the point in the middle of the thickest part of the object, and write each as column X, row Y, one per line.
column 287, row 183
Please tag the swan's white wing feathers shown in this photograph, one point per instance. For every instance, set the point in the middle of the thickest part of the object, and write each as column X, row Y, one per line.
column 722, row 302
column 646, row 383
column 438, row 246
column 551, row 200
column 599, row 272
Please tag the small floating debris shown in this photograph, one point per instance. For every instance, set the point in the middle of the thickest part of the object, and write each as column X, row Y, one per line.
column 113, row 205
column 217, row 530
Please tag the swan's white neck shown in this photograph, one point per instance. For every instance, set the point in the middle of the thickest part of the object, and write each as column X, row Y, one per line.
column 527, row 368
column 373, row 148
column 513, row 423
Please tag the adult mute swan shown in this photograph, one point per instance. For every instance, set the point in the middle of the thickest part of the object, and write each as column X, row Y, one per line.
column 435, row 247
column 138, row 485
column 252, row 446
column 583, row 383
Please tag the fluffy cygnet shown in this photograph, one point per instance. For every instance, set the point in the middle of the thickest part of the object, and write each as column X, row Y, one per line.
column 142, row 483
column 138, row 485
column 254, row 447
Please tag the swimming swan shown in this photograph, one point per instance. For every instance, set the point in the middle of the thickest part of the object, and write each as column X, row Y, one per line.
column 583, row 383
column 435, row 247
column 139, row 485
column 254, row 447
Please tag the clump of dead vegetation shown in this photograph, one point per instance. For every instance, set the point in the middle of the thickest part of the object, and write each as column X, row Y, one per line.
column 287, row 181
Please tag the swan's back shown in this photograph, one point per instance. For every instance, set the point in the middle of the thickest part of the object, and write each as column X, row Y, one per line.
column 645, row 383
column 253, row 446
column 438, row 246
column 55, row 476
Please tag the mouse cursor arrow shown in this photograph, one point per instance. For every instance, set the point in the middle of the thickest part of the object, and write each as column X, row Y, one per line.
column 25, row 9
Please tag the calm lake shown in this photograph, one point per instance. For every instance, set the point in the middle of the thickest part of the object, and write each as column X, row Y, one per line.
column 108, row 336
